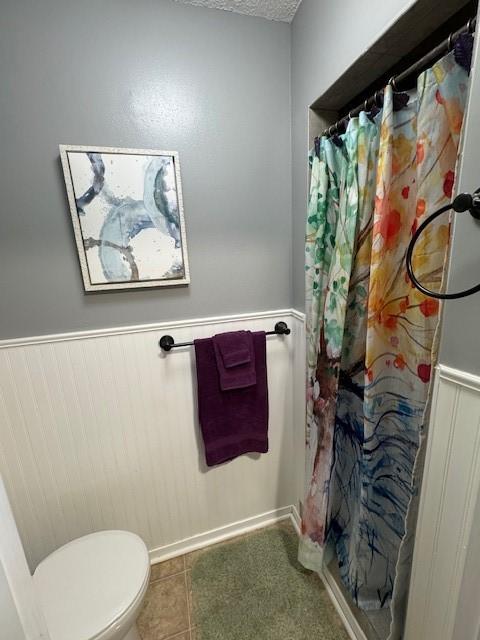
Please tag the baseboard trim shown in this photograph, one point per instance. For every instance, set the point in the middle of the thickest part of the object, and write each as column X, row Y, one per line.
column 296, row 520
column 144, row 328
column 206, row 539
column 340, row 603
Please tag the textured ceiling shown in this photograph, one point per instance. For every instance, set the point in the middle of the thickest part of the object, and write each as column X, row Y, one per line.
column 272, row 9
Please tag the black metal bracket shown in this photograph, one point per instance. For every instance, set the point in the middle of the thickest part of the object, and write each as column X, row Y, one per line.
column 467, row 201
column 167, row 343
column 463, row 202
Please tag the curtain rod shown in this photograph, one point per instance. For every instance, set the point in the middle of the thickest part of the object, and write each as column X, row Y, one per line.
column 435, row 53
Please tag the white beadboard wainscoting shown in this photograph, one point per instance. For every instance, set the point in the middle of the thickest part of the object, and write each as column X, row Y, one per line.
column 20, row 612
column 443, row 600
column 99, row 430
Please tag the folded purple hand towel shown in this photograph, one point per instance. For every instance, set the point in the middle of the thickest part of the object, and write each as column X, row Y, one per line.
column 233, row 422
column 235, row 359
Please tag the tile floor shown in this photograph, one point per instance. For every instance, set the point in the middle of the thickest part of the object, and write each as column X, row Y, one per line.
column 167, row 612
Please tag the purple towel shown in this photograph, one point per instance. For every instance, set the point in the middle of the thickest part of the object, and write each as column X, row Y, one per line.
column 235, row 359
column 236, row 421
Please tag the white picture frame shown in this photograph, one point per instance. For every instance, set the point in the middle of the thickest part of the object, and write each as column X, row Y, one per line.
column 127, row 213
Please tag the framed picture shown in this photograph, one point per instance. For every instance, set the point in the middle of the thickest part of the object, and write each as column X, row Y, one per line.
column 127, row 214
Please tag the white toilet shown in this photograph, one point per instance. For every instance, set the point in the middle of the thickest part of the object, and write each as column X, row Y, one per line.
column 93, row 587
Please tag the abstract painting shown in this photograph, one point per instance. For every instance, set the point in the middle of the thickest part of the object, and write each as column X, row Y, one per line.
column 127, row 213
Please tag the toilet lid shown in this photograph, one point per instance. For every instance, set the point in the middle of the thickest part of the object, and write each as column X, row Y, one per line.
column 90, row 582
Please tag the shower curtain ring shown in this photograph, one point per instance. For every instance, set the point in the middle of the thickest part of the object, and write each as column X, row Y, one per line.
column 350, row 115
column 365, row 105
column 450, row 41
column 392, row 83
column 331, row 129
column 469, row 26
column 375, row 99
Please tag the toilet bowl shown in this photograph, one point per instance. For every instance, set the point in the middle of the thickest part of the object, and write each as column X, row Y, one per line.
column 92, row 588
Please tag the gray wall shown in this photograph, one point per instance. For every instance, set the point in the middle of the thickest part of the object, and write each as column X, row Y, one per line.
column 150, row 73
column 326, row 40
column 460, row 345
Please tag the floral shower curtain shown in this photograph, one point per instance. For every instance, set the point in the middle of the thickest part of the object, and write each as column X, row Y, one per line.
column 371, row 336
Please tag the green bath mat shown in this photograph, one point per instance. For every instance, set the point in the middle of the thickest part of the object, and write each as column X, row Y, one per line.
column 255, row 589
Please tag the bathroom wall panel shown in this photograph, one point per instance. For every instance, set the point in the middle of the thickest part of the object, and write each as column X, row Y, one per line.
column 213, row 85
column 332, row 61
column 440, row 603
column 98, row 430
column 20, row 614
column 318, row 30
column 459, row 346
column 11, row 624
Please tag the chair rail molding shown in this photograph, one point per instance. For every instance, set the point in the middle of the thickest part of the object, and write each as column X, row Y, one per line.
column 447, row 513
column 147, row 328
